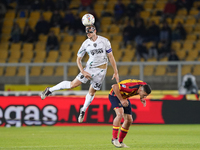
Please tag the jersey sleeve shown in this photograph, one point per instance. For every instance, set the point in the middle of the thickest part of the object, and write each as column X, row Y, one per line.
column 82, row 50
column 108, row 46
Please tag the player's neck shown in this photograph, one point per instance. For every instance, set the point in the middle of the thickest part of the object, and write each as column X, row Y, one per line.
column 94, row 38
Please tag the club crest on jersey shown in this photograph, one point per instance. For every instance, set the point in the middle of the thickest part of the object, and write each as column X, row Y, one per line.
column 95, row 44
column 124, row 86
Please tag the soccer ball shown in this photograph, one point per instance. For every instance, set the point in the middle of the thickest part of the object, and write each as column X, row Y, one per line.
column 88, row 19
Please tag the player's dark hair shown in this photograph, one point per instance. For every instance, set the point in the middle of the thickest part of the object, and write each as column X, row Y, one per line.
column 147, row 88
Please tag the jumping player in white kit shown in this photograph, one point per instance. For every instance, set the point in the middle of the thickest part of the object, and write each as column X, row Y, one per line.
column 99, row 50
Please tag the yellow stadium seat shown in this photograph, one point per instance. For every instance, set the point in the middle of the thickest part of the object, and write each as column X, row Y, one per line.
column 5, row 37
column 135, row 71
column 104, row 29
column 110, row 6
column 27, row 54
column 72, row 71
column 128, row 55
column 117, row 39
column 56, row 30
column 197, row 29
column 3, row 55
column 8, row 23
column 80, row 38
column 182, row 12
column 145, row 14
column 160, row 5
column 191, row 20
column 52, row 56
column 21, row 22
column 148, row 5
column 40, row 46
column 68, row 39
column 114, row 29
column 10, row 71
column 4, row 45
column 74, row 5
column 40, row 56
column 6, row 30
column 123, row 70
column 27, row 47
column 25, row 60
column 32, row 22
column 164, row 59
column 59, row 71
column 47, row 15
column 176, row 45
column 192, row 54
column 106, row 21
column 196, row 70
column 192, row 37
column 178, row 19
column 160, row 70
column 1, row 71
column 10, row 15
column 148, row 70
column 21, row 71
column 109, row 71
column 64, row 47
column 196, row 4
column 186, row 69
column 34, row 15
column 82, row 13
column 35, row 71
column 48, row 71
column 15, row 54
column 193, row 12
column 15, row 47
column 188, row 45
column 156, row 19
column 99, row 6
column 169, row 20
column 188, row 29
column 43, row 38
column 117, row 55
column 181, row 54
column 75, row 48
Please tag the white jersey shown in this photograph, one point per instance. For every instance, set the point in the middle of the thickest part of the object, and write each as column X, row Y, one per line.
column 97, row 51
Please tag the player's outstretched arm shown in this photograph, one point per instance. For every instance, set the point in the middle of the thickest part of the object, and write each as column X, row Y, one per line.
column 113, row 63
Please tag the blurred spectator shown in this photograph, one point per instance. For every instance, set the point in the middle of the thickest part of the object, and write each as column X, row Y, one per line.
column 56, row 19
column 153, row 32
column 86, row 5
column 119, row 10
column 2, row 9
column 49, row 5
column 189, row 85
column 128, row 33
column 132, row 9
column 42, row 27
column 184, row 4
column 36, row 5
column 170, row 9
column 139, row 33
column 138, row 19
column 15, row 33
column 153, row 51
column 52, row 42
column 62, row 4
column 77, row 27
column 28, row 34
column 163, row 49
column 141, row 51
column 173, row 57
column 179, row 32
column 165, row 33
column 22, row 13
column 68, row 20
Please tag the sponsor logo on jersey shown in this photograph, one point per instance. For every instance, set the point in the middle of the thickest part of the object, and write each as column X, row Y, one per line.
column 96, row 51
column 124, row 86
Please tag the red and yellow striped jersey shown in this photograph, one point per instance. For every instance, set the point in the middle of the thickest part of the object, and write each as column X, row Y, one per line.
column 128, row 87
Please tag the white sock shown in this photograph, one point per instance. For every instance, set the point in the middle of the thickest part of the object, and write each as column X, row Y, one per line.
column 88, row 100
column 60, row 86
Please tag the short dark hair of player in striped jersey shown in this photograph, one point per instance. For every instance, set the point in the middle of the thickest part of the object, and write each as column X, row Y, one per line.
column 147, row 88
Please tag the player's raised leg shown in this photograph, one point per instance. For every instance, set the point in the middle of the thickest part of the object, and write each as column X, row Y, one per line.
column 88, row 99
column 60, row 86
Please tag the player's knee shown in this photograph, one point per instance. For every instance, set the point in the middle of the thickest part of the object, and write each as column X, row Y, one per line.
column 130, row 120
column 120, row 115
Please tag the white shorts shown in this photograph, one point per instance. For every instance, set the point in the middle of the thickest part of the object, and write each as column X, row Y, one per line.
column 97, row 74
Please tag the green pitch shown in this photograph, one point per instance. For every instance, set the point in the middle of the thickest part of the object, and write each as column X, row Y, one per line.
column 140, row 137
